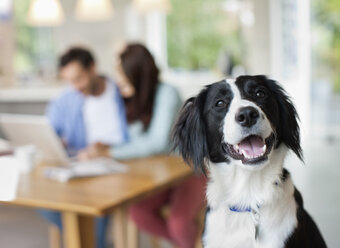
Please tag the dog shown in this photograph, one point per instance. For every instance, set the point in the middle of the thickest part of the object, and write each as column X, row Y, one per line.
column 238, row 131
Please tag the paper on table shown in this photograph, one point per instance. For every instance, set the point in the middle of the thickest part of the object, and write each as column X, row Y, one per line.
column 9, row 178
column 95, row 167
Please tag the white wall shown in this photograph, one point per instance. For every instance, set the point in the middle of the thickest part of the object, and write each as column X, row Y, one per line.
column 257, row 39
column 101, row 37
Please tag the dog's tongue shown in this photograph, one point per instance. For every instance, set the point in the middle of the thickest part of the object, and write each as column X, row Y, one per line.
column 252, row 146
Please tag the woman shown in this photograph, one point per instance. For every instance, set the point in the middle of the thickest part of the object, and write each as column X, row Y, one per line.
column 151, row 109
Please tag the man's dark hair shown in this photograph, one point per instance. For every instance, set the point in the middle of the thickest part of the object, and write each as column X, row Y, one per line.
column 77, row 54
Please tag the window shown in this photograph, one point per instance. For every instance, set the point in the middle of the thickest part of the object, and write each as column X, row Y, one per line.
column 198, row 31
column 326, row 41
column 35, row 57
column 5, row 9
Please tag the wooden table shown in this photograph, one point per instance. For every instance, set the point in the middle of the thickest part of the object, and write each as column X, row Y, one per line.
column 81, row 200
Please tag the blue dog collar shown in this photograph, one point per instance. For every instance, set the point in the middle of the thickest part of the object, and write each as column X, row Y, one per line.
column 240, row 210
column 247, row 209
column 255, row 214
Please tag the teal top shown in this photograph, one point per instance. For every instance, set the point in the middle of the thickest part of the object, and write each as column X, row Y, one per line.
column 156, row 138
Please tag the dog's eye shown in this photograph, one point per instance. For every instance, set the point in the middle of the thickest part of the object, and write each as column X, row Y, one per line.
column 220, row 104
column 260, row 94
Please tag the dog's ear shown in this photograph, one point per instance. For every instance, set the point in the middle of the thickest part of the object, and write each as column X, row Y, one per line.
column 189, row 133
column 289, row 130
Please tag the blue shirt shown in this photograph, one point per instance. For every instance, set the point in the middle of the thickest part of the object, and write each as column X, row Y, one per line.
column 67, row 118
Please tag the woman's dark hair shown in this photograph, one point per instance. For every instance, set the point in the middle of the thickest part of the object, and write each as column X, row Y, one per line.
column 140, row 68
column 78, row 54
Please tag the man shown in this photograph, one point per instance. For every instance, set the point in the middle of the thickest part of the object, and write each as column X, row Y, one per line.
column 89, row 113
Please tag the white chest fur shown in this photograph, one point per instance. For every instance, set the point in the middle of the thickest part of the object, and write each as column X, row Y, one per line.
column 237, row 230
column 231, row 186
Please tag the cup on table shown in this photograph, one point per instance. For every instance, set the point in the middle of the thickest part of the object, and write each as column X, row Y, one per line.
column 25, row 156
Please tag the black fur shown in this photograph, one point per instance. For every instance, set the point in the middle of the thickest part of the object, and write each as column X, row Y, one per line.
column 189, row 134
column 207, row 211
column 199, row 116
column 285, row 174
column 306, row 234
column 288, row 130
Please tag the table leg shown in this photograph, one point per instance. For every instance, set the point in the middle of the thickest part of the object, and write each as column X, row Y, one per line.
column 125, row 230
column 54, row 236
column 132, row 234
column 78, row 230
column 119, row 228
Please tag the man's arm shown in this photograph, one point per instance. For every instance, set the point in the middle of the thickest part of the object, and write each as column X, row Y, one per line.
column 54, row 115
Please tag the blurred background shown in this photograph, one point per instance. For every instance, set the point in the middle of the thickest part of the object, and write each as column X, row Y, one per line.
column 195, row 42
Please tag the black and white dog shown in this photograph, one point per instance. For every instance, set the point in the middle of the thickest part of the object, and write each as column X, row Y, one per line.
column 240, row 130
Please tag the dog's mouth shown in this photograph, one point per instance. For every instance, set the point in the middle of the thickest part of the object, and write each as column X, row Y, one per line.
column 251, row 150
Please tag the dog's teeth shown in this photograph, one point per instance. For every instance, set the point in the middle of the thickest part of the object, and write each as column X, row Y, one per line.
column 236, row 148
column 264, row 148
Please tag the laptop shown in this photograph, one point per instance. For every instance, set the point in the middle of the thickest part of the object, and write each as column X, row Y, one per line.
column 21, row 130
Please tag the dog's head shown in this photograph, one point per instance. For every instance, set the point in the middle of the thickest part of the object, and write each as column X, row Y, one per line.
column 243, row 121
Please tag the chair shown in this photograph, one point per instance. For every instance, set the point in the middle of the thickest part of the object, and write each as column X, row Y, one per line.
column 156, row 241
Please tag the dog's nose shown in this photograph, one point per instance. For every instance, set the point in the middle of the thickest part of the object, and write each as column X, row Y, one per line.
column 247, row 116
